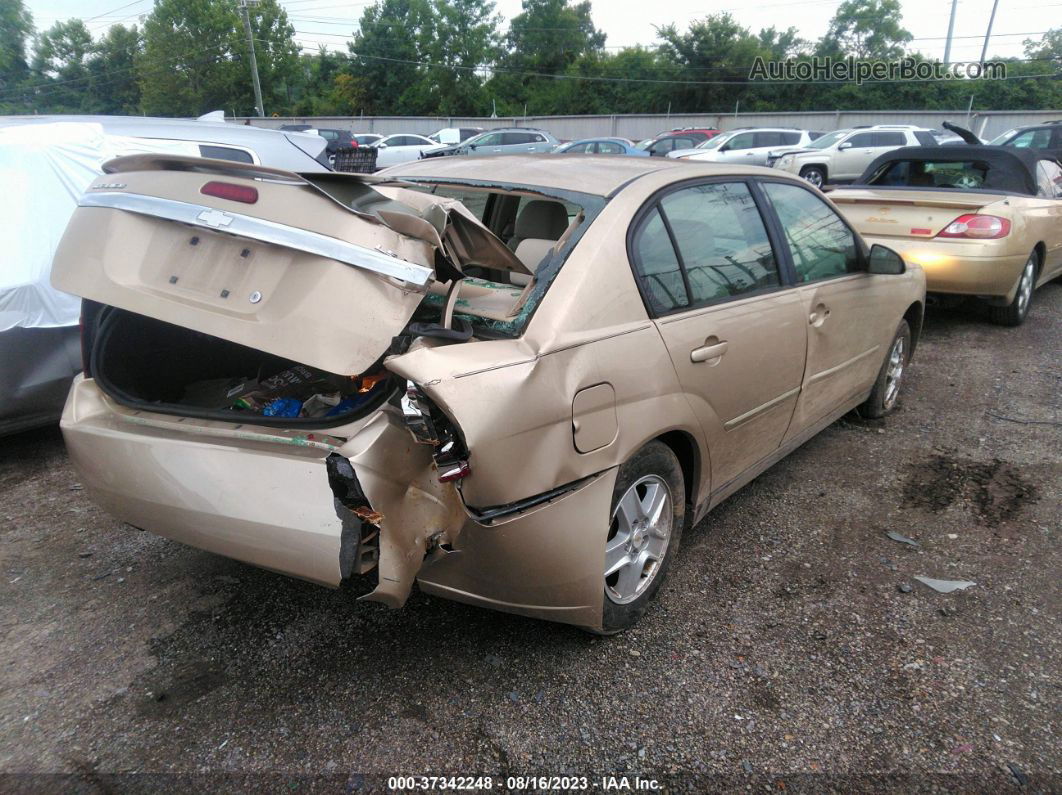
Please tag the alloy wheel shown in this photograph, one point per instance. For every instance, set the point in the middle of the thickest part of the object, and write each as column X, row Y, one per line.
column 1025, row 286
column 894, row 373
column 638, row 539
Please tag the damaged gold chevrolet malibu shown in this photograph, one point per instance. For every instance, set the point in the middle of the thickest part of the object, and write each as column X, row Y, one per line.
column 511, row 380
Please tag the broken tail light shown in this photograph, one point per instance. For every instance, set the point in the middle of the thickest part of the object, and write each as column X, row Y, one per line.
column 430, row 426
column 976, row 227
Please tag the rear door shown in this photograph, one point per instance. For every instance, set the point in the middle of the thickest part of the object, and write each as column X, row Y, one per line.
column 846, row 311
column 736, row 336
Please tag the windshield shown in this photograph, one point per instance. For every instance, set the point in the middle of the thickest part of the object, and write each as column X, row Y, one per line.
column 999, row 140
column 828, row 140
column 713, row 143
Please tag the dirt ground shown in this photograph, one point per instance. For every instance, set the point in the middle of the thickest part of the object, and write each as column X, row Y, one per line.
column 791, row 649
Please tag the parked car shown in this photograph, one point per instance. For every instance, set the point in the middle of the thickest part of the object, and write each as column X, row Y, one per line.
column 336, row 138
column 51, row 160
column 750, row 146
column 366, row 139
column 1046, row 136
column 681, row 138
column 454, row 135
column 400, row 148
column 983, row 221
column 841, row 156
column 537, row 449
column 504, row 141
column 600, row 146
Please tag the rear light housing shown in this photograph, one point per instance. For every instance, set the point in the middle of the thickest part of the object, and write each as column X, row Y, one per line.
column 976, row 227
column 231, row 191
column 430, row 426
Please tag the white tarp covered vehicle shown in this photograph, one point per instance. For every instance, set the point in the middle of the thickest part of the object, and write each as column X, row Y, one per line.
column 46, row 168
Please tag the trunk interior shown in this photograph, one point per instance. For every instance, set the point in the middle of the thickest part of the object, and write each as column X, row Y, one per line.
column 148, row 364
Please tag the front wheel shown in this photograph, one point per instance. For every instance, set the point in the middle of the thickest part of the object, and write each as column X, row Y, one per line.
column 886, row 393
column 648, row 513
column 1014, row 313
column 814, row 174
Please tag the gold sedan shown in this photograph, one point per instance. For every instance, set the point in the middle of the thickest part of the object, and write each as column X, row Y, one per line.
column 982, row 221
column 512, row 381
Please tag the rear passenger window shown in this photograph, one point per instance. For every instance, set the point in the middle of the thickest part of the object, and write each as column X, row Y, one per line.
column 821, row 244
column 657, row 267
column 791, row 138
column 889, row 139
column 721, row 240
column 225, row 153
column 609, row 148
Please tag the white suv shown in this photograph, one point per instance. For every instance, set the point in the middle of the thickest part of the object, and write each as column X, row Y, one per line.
column 841, row 156
column 748, row 145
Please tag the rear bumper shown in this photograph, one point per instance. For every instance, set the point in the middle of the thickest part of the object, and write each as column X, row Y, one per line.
column 247, row 500
column 949, row 269
column 262, row 496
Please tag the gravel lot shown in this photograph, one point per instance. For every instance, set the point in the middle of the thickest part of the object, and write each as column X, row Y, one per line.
column 791, row 649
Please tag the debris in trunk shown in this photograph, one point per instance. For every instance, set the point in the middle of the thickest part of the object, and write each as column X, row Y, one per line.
column 945, row 586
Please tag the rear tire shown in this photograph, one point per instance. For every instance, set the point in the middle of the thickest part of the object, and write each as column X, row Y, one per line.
column 816, row 175
column 885, row 396
column 1014, row 313
column 641, row 543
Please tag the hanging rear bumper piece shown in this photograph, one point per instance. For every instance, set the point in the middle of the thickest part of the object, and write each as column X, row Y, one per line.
column 263, row 231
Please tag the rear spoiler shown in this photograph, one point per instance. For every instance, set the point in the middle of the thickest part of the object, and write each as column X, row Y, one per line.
column 444, row 223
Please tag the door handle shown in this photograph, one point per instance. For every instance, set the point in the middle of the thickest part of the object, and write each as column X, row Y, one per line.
column 713, row 348
column 818, row 315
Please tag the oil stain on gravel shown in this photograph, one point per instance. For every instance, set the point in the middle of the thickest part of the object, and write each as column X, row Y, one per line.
column 996, row 491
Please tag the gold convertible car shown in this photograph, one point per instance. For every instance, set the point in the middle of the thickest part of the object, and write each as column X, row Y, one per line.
column 512, row 380
column 983, row 221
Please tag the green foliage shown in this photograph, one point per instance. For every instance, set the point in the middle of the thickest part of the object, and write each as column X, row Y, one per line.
column 451, row 58
column 16, row 26
column 866, row 29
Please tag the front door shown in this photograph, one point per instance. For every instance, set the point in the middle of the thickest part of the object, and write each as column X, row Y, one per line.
column 735, row 334
column 846, row 310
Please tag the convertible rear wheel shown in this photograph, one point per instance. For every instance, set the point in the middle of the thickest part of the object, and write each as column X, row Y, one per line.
column 648, row 512
column 886, row 393
column 1014, row 313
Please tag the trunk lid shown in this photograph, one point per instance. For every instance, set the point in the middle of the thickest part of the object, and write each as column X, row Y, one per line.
column 905, row 214
column 320, row 269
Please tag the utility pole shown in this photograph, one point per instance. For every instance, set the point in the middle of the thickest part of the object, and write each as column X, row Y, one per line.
column 951, row 30
column 244, row 4
column 984, row 54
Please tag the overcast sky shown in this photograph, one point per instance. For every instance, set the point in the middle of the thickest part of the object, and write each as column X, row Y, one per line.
column 629, row 22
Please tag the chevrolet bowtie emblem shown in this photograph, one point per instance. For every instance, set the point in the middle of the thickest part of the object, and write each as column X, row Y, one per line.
column 214, row 218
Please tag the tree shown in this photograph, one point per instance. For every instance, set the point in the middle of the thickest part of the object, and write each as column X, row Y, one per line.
column 16, row 26
column 392, row 40
column 112, row 84
column 1048, row 49
column 60, row 67
column 866, row 29
column 547, row 38
column 195, row 57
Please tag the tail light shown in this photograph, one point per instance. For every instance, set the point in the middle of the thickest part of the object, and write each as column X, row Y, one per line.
column 430, row 426
column 231, row 191
column 976, row 227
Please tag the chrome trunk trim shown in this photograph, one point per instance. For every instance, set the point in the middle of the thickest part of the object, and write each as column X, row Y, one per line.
column 263, row 231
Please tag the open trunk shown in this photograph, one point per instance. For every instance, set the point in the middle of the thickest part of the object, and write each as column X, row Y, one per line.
column 156, row 366
column 323, row 270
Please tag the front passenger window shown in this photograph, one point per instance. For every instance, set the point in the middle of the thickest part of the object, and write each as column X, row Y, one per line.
column 821, row 244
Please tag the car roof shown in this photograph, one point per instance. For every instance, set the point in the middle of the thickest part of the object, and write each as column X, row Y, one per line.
column 576, row 173
column 179, row 129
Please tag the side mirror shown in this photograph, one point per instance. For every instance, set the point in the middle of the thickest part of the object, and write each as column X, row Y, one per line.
column 845, row 145
column 885, row 261
column 381, row 146
column 472, row 146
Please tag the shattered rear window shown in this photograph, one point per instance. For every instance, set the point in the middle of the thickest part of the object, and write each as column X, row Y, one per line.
column 486, row 309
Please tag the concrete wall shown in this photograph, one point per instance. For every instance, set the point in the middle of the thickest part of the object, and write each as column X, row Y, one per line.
column 988, row 124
